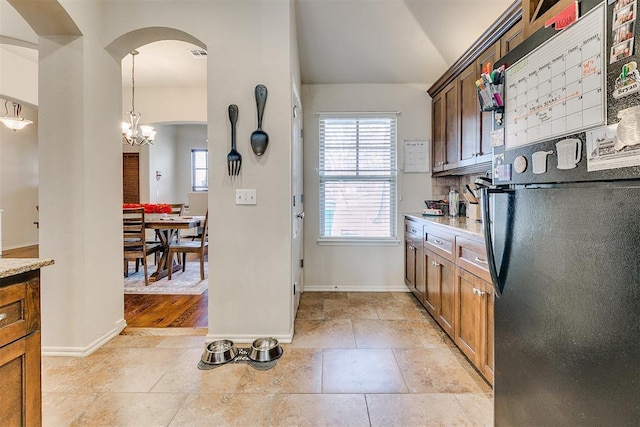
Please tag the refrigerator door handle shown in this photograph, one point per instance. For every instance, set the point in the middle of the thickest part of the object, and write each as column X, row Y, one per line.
column 498, row 282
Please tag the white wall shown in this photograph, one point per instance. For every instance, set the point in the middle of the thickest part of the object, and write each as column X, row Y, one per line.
column 162, row 158
column 19, row 181
column 362, row 267
column 80, row 108
column 188, row 137
column 18, row 74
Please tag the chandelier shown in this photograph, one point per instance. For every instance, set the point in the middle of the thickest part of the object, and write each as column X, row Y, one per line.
column 16, row 121
column 132, row 132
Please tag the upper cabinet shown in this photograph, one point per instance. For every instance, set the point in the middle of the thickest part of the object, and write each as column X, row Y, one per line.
column 536, row 12
column 512, row 38
column 461, row 132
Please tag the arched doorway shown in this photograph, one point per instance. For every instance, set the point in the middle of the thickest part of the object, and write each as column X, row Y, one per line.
column 170, row 94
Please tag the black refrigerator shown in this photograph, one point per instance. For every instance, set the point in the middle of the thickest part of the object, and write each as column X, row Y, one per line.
column 562, row 226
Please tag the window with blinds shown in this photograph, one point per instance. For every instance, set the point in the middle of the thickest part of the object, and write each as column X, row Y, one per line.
column 357, row 176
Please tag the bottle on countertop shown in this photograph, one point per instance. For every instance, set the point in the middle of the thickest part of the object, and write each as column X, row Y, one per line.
column 454, row 199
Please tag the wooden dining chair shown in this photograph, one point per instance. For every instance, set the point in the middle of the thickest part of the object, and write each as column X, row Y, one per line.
column 134, row 240
column 199, row 247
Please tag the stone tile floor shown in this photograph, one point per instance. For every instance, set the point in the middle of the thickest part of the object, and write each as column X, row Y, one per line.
column 357, row 359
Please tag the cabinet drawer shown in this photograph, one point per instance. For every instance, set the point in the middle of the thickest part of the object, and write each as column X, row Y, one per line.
column 440, row 242
column 19, row 309
column 413, row 228
column 472, row 256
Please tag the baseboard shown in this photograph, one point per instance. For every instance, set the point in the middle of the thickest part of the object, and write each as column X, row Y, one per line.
column 164, row 332
column 85, row 351
column 248, row 339
column 355, row 288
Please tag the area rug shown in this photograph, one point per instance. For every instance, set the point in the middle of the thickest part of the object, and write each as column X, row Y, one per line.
column 187, row 283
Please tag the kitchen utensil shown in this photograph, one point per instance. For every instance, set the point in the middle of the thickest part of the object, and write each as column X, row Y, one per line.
column 482, row 181
column 234, row 159
column 259, row 138
column 265, row 350
column 470, row 198
column 539, row 159
column 569, row 153
column 454, row 198
column 218, row 352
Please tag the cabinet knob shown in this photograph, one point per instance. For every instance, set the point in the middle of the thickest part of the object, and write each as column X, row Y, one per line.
column 435, row 263
column 478, row 292
column 3, row 316
column 480, row 260
column 438, row 242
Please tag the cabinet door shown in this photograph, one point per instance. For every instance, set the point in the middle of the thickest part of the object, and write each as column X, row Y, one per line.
column 420, row 282
column 446, row 312
column 469, row 299
column 512, row 38
column 409, row 264
column 451, row 136
column 483, row 154
column 486, row 366
column 432, row 277
column 20, row 396
column 437, row 123
column 469, row 116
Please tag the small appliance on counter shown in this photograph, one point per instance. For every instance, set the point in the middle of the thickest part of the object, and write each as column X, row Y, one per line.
column 454, row 200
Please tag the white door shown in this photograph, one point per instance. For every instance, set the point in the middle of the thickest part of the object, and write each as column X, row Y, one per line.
column 297, row 204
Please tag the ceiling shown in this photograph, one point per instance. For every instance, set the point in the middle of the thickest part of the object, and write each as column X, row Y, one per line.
column 340, row 41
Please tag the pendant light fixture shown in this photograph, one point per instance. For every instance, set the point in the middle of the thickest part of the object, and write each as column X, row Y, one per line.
column 16, row 121
column 132, row 132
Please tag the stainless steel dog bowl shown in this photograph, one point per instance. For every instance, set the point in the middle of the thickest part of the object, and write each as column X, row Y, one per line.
column 218, row 352
column 265, row 350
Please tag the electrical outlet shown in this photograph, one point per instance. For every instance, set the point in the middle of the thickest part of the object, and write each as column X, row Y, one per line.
column 246, row 197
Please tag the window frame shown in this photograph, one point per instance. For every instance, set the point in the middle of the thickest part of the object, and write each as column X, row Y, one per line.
column 194, row 169
column 359, row 174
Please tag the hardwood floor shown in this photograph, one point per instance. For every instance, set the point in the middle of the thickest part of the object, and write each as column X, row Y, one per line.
column 150, row 311
column 166, row 311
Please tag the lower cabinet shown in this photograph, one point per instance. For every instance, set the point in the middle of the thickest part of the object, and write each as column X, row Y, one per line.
column 20, row 390
column 20, row 373
column 449, row 276
column 474, row 320
column 413, row 259
column 440, row 290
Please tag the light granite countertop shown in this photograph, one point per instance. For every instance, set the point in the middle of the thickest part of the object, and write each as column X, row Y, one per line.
column 458, row 223
column 13, row 266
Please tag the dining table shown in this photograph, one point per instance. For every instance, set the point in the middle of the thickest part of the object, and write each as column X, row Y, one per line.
column 168, row 227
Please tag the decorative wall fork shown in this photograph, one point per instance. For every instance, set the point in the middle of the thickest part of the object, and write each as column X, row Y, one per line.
column 234, row 159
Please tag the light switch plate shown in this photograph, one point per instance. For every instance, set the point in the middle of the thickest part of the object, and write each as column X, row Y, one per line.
column 246, row 197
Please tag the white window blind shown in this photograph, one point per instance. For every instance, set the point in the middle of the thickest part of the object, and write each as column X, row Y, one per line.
column 357, row 176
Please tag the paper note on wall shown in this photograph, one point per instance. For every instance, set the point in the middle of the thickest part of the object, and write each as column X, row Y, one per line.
column 416, row 156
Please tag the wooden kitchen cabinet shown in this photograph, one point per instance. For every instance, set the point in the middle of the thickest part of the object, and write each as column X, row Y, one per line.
column 456, row 287
column 469, row 116
column 447, row 313
column 474, row 320
column 413, row 259
column 438, row 150
column 439, row 297
column 439, row 247
column 461, row 142
column 483, row 149
column 20, row 393
column 536, row 12
column 512, row 38
column 450, row 125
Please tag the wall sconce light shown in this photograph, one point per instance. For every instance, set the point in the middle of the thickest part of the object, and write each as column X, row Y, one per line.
column 16, row 121
column 158, row 175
